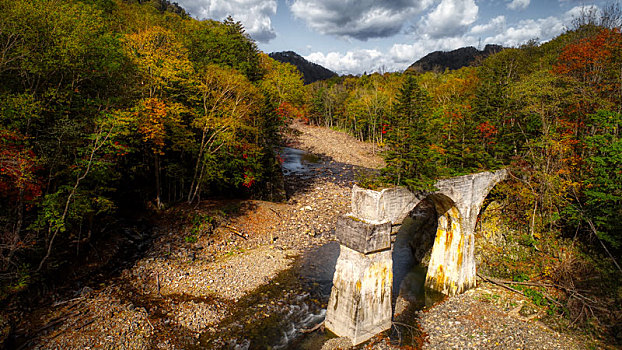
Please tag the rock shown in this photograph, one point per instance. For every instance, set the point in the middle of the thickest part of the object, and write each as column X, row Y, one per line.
column 342, row 343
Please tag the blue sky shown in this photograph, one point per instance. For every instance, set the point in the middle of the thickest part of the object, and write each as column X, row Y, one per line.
column 356, row 36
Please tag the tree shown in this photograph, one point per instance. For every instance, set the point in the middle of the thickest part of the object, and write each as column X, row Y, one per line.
column 19, row 186
column 409, row 154
column 594, row 63
column 224, row 44
column 161, row 59
column 227, row 102
column 601, row 203
column 283, row 85
column 68, row 202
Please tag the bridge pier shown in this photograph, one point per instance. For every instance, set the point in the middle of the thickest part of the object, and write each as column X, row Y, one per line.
column 360, row 302
column 360, row 305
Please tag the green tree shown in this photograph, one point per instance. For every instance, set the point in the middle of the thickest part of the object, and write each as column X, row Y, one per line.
column 225, row 44
column 600, row 205
column 227, row 103
column 408, row 140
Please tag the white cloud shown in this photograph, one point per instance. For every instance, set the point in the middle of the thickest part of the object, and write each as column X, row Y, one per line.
column 362, row 19
column 450, row 18
column 543, row 29
column 409, row 53
column 255, row 15
column 518, row 4
column 496, row 24
column 582, row 11
column 352, row 62
column 496, row 31
column 398, row 58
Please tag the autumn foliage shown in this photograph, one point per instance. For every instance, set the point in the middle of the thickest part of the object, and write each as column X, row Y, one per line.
column 110, row 107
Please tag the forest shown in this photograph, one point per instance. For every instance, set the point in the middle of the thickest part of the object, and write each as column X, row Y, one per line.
column 108, row 107
column 549, row 112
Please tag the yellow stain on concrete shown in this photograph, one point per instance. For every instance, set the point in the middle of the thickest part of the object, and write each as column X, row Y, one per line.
column 460, row 251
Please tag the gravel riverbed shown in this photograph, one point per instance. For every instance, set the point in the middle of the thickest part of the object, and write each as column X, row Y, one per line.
column 221, row 286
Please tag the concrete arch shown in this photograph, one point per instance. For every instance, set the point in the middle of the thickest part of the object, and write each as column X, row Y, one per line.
column 450, row 270
column 359, row 306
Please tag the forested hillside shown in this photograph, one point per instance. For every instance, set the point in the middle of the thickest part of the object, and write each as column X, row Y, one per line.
column 551, row 112
column 109, row 106
column 112, row 107
column 311, row 72
column 438, row 61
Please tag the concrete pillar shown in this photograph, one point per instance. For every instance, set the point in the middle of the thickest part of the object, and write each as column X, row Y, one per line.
column 458, row 202
column 360, row 302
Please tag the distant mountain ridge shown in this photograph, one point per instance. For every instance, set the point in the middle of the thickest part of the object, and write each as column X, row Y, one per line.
column 310, row 71
column 456, row 59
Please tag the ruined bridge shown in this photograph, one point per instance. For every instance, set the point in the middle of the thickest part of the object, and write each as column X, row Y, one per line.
column 360, row 301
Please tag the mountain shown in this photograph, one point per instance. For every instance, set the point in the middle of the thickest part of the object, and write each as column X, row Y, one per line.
column 456, row 59
column 310, row 71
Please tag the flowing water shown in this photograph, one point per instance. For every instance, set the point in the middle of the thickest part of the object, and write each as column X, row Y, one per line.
column 409, row 293
column 314, row 280
column 297, row 162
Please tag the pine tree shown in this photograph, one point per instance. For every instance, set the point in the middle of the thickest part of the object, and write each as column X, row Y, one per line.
column 408, row 159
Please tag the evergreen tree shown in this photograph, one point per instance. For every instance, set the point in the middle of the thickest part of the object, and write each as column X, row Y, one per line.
column 409, row 156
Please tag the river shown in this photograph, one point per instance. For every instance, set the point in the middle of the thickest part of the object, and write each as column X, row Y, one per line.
column 317, row 268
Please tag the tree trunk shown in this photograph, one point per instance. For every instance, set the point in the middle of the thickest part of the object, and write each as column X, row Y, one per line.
column 157, row 178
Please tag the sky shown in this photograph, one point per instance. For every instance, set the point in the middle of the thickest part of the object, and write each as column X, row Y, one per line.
column 358, row 36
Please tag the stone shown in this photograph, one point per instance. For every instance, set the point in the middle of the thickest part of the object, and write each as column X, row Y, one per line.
column 452, row 264
column 362, row 236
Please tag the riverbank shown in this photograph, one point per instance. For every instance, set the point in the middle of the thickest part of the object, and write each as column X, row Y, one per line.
column 205, row 261
column 252, row 274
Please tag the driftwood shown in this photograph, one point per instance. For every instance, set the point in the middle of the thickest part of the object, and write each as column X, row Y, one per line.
column 57, row 321
column 235, row 231
column 276, row 212
column 59, row 303
column 489, row 279
column 588, row 305
column 504, row 283
column 314, row 328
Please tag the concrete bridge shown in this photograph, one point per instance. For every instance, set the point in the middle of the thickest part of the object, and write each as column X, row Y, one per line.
column 360, row 301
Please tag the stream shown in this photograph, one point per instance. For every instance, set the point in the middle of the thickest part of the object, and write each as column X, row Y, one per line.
column 314, row 281
column 298, row 162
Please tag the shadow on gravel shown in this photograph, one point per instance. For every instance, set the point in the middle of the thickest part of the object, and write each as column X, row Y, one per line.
column 277, row 314
column 101, row 262
column 97, row 262
column 159, row 307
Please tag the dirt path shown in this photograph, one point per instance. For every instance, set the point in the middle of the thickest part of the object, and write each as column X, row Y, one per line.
column 227, row 272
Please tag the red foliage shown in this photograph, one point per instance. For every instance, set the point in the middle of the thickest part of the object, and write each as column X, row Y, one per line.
column 18, row 166
column 488, row 131
column 249, row 180
column 593, row 60
column 287, row 111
